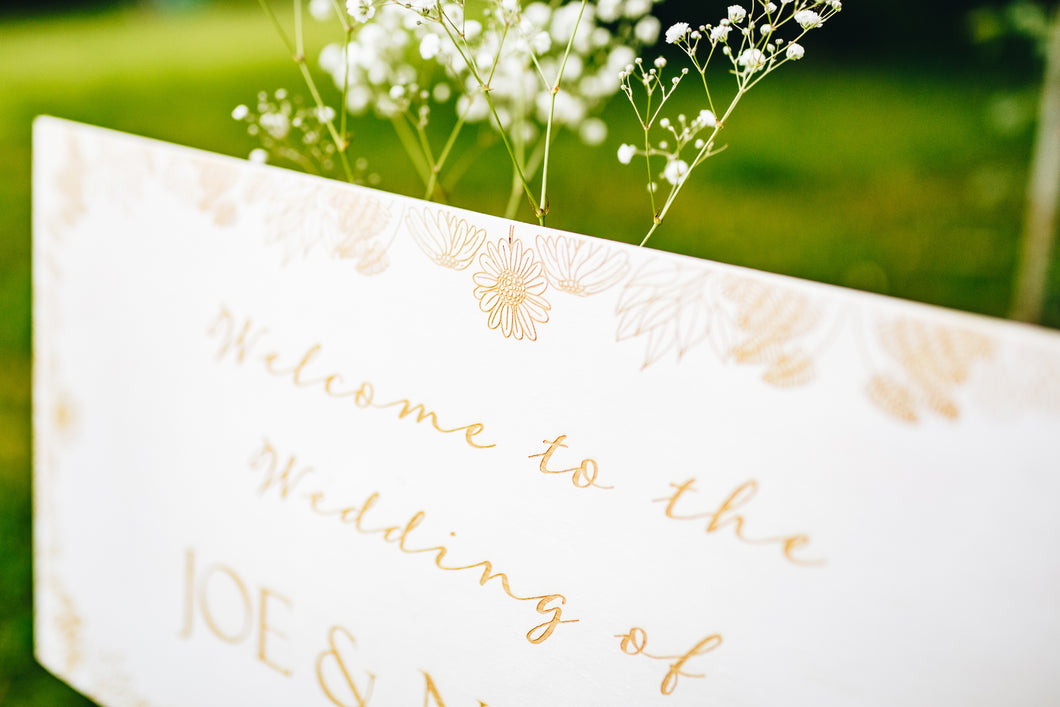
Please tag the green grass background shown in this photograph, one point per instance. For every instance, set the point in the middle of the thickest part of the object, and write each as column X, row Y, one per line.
column 886, row 178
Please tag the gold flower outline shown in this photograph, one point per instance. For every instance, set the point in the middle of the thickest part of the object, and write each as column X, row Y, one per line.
column 668, row 305
column 509, row 287
column 345, row 225
column 447, row 240
column 581, row 267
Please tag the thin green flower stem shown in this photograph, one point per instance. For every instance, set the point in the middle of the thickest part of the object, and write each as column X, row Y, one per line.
column 513, row 198
column 551, row 115
column 346, row 81
column 408, row 141
column 497, row 56
column 651, row 191
column 446, row 150
column 347, row 30
column 299, row 59
column 299, row 38
column 468, row 158
column 647, row 155
column 493, row 110
column 703, row 75
column 421, row 138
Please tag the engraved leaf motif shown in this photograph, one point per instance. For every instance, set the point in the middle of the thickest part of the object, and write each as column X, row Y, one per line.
column 579, row 266
column 893, row 397
column 769, row 321
column 934, row 360
column 216, row 181
column 446, row 239
column 361, row 225
column 669, row 306
column 70, row 185
column 68, row 625
column 789, row 371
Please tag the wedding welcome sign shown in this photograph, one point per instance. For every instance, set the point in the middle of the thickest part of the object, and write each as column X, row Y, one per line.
column 304, row 443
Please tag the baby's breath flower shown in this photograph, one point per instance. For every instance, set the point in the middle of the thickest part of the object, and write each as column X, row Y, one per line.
column 675, row 171
column 258, row 156
column 719, row 33
column 677, row 32
column 625, row 153
column 795, row 51
column 707, row 118
column 807, row 19
column 240, row 112
column 360, row 10
column 736, row 13
column 751, row 59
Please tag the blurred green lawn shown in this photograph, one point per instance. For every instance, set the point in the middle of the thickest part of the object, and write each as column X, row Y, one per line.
column 881, row 178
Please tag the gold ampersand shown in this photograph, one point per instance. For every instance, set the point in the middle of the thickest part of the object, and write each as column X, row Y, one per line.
column 333, row 653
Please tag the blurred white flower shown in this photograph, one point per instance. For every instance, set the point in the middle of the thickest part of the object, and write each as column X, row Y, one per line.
column 675, row 171
column 647, row 29
column 625, row 153
column 593, row 131
column 430, row 45
column 320, row 9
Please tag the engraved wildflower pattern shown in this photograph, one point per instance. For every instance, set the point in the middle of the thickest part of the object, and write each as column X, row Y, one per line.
column 344, row 225
column 509, row 288
column 447, row 240
column 580, row 267
column 668, row 305
column 933, row 362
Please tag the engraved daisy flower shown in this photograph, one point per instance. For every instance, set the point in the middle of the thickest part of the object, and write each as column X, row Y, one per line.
column 509, row 288
column 580, row 267
column 447, row 240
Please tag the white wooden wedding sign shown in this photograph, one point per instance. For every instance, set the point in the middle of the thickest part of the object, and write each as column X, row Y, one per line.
column 303, row 443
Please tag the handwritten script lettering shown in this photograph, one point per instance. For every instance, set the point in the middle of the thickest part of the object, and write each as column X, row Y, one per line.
column 279, row 474
column 242, row 341
column 634, row 642
column 583, row 475
column 726, row 515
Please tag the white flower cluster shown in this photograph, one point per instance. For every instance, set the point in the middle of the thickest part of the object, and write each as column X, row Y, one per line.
column 410, row 55
column 757, row 45
column 754, row 43
column 288, row 131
